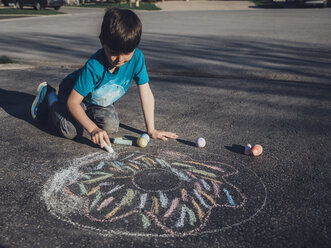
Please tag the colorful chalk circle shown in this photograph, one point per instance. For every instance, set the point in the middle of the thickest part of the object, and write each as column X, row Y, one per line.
column 140, row 194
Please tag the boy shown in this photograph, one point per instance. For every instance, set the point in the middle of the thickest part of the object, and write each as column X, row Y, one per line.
column 86, row 96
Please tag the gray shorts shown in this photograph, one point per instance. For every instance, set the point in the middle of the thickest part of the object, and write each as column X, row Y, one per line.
column 66, row 125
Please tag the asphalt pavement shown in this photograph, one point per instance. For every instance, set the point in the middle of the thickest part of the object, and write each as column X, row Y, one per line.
column 231, row 76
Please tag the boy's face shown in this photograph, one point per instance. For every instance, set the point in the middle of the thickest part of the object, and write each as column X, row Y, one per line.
column 117, row 60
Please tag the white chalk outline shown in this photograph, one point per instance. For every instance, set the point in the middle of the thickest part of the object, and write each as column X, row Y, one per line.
column 76, row 163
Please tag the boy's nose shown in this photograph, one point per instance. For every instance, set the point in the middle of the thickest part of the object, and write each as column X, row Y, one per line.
column 119, row 59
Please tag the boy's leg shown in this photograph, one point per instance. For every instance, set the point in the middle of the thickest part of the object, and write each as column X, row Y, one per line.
column 105, row 117
column 60, row 118
column 64, row 123
column 39, row 107
column 46, row 108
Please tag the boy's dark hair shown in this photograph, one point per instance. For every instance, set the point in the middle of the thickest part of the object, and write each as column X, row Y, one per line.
column 120, row 31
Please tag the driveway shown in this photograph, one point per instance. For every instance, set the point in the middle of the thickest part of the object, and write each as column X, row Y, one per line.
column 233, row 77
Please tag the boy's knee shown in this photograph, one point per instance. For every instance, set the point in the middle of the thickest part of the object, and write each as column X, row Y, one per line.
column 111, row 121
column 69, row 130
column 110, row 125
column 105, row 117
column 63, row 122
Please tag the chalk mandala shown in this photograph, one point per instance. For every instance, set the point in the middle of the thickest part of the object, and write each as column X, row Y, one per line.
column 143, row 195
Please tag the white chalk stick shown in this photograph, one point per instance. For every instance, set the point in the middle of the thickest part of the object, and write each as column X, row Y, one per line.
column 107, row 147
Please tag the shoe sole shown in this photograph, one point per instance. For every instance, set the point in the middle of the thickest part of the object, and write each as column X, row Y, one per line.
column 39, row 98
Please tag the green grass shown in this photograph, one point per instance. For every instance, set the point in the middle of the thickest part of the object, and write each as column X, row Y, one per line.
column 142, row 6
column 268, row 4
column 6, row 60
column 13, row 11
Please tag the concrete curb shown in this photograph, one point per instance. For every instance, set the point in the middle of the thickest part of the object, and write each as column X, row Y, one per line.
column 13, row 66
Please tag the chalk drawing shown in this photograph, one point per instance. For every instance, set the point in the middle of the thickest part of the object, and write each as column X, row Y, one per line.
column 140, row 194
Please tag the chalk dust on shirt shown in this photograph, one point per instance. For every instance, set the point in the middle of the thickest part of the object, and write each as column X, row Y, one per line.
column 107, row 94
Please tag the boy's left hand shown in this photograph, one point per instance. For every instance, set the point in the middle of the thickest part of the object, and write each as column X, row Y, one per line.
column 163, row 135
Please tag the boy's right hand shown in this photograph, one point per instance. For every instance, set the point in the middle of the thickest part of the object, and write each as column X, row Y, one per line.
column 98, row 136
column 162, row 135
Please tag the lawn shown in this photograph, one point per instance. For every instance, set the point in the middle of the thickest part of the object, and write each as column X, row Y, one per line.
column 6, row 60
column 142, row 6
column 268, row 4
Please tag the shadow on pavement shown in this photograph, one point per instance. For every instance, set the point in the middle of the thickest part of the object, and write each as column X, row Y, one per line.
column 186, row 142
column 235, row 56
column 218, row 55
column 259, row 86
column 75, row 48
column 305, row 69
column 132, row 129
column 17, row 104
column 236, row 148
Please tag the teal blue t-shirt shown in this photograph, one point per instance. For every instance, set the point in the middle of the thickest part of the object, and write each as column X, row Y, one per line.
column 98, row 85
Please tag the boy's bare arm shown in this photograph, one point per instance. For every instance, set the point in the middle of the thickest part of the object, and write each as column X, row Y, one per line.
column 148, row 105
column 97, row 134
